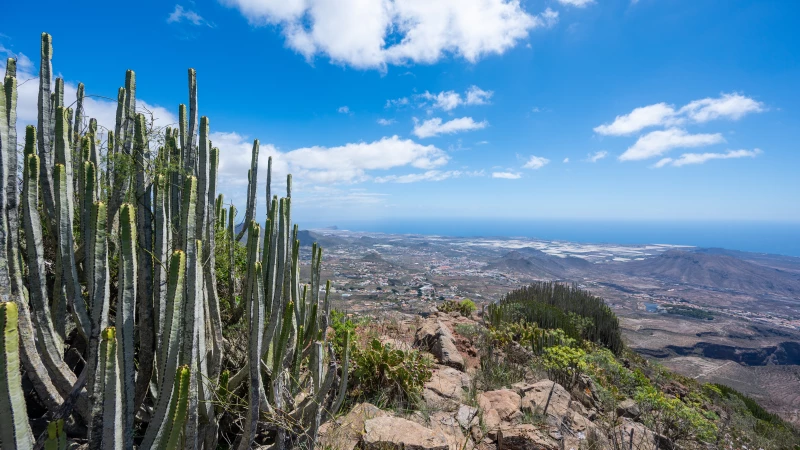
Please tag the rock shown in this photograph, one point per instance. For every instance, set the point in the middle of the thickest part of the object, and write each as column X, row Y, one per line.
column 586, row 391
column 498, row 406
column 643, row 438
column 396, row 344
column 345, row 432
column 628, row 408
column 524, row 437
column 467, row 416
column 436, row 338
column 389, row 433
column 446, row 424
column 536, row 399
column 434, row 401
column 449, row 382
column 579, row 408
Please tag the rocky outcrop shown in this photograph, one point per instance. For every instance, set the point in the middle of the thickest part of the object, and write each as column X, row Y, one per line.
column 546, row 397
column 435, row 337
column 390, row 433
column 449, row 383
column 524, row 437
column 345, row 433
column 628, row 408
column 498, row 406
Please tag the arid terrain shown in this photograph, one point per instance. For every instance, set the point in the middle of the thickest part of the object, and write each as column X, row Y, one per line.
column 716, row 315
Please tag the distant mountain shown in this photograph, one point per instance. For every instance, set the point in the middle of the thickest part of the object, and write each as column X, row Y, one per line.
column 373, row 257
column 536, row 263
column 716, row 269
column 308, row 238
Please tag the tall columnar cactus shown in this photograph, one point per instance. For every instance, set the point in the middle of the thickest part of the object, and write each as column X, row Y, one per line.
column 15, row 433
column 149, row 226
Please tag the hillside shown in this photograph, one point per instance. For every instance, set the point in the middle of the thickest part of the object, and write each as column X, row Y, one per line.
column 715, row 270
column 536, row 263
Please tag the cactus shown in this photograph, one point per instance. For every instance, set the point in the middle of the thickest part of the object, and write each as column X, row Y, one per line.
column 149, row 225
column 15, row 433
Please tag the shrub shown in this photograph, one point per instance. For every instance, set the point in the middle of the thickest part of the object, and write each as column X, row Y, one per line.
column 673, row 418
column 564, row 364
column 466, row 307
column 387, row 375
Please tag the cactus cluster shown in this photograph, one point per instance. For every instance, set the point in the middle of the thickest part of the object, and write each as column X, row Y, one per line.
column 108, row 288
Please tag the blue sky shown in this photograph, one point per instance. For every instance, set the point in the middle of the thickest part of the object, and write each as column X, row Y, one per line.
column 558, row 109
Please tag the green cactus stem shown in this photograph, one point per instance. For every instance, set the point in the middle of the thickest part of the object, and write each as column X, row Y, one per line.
column 56, row 436
column 15, row 433
column 45, row 123
column 251, row 190
column 107, row 422
column 128, row 272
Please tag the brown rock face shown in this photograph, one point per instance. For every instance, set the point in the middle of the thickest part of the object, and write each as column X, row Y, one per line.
column 448, row 382
column 498, row 406
column 345, row 433
column 536, row 396
column 390, row 433
column 436, row 338
column 524, row 437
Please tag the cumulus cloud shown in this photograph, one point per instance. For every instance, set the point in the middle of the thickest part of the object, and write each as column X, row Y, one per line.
column 656, row 143
column 566, row 160
column 507, row 175
column 385, row 122
column 374, row 34
column 430, row 175
column 344, row 110
column 726, row 106
column 180, row 14
column 576, row 3
column 445, row 100
column 434, row 127
column 594, row 157
column 700, row 158
column 536, row 162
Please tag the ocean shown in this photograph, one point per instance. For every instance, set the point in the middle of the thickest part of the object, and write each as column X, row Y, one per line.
column 759, row 237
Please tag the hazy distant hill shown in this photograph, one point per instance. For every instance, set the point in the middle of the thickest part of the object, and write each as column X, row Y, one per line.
column 717, row 270
column 533, row 262
column 307, row 239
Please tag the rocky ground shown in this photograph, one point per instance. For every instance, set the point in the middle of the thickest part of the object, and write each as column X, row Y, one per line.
column 533, row 414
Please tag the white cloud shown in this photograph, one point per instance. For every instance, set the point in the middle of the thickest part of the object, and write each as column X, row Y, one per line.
column 638, row 119
column 373, row 34
column 430, row 175
column 180, row 14
column 700, row 158
column 536, row 162
column 566, row 160
column 448, row 100
column 659, row 142
column 596, row 156
column 385, row 122
column 577, row 3
column 434, row 127
column 507, row 175
column 347, row 163
column 344, row 110
column 397, row 103
column 726, row 106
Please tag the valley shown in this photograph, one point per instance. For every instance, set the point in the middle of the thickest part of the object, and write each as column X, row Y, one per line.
column 712, row 314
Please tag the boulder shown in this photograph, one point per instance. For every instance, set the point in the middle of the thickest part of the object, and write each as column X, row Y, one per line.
column 643, row 438
column 524, row 437
column 435, row 401
column 498, row 406
column 467, row 416
column 436, row 338
column 586, row 392
column 390, row 433
column 448, row 425
column 449, row 382
column 628, row 408
column 535, row 399
column 345, row 432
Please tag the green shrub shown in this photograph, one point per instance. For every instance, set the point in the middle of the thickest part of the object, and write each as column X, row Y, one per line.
column 389, row 376
column 466, row 307
column 672, row 417
column 564, row 364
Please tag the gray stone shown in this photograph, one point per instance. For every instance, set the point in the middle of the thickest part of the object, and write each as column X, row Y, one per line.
column 449, row 382
column 345, row 432
column 389, row 433
column 436, row 338
column 535, row 399
column 467, row 416
column 628, row 408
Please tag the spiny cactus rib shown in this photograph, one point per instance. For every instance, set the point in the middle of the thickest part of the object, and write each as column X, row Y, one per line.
column 169, row 352
column 107, row 422
column 11, row 160
column 251, row 190
column 56, row 436
column 160, row 266
column 98, row 287
column 178, row 411
column 209, row 269
column 45, row 123
column 190, row 151
column 256, row 324
column 15, row 433
column 5, row 281
column 49, row 342
column 66, row 270
column 125, row 316
column 144, row 275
